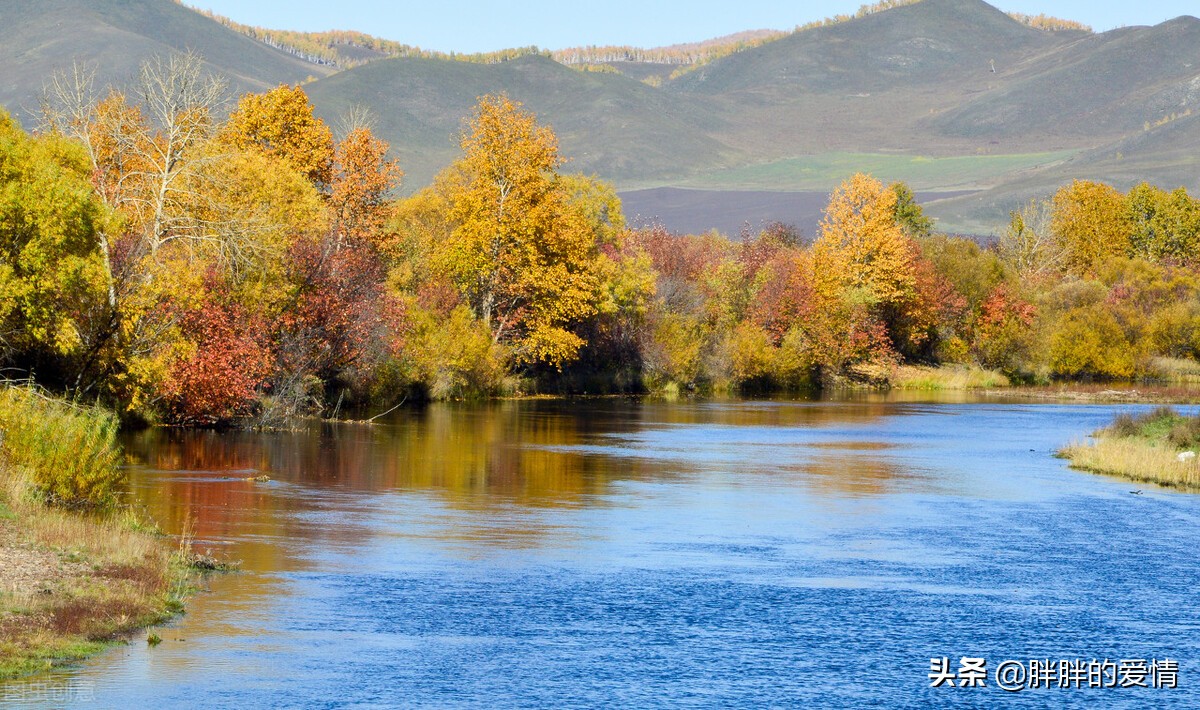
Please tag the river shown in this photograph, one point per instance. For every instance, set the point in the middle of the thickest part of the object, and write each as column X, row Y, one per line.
column 604, row 553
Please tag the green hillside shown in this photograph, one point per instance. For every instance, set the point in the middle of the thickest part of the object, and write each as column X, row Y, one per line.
column 929, row 43
column 1104, row 85
column 946, row 94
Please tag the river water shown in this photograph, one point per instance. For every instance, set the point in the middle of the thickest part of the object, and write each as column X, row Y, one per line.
column 625, row 553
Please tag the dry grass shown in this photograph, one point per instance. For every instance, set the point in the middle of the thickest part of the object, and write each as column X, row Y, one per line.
column 1135, row 459
column 946, row 377
column 1176, row 370
column 95, row 580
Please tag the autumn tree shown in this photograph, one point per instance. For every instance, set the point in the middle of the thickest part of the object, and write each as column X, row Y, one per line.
column 281, row 122
column 363, row 179
column 1090, row 224
column 145, row 157
column 220, row 376
column 177, row 98
column 1163, row 225
column 52, row 280
column 1028, row 245
column 522, row 249
column 862, row 250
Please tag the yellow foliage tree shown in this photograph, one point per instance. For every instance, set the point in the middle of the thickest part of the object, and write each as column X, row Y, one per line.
column 863, row 252
column 1090, row 224
column 523, row 246
column 281, row 122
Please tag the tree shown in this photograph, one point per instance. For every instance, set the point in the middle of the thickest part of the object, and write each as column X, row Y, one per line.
column 862, row 249
column 178, row 99
column 363, row 179
column 221, row 377
column 1088, row 342
column 909, row 214
column 1163, row 225
column 1028, row 245
column 52, row 282
column 281, row 122
column 1090, row 224
column 523, row 249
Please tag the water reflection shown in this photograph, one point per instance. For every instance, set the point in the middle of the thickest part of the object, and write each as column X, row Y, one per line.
column 620, row 552
column 483, row 472
column 528, row 453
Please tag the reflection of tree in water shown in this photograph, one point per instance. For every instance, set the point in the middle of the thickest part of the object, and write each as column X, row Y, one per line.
column 855, row 468
column 497, row 462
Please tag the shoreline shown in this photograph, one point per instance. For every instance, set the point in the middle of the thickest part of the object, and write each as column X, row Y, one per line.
column 1158, row 447
column 1137, row 462
column 73, row 585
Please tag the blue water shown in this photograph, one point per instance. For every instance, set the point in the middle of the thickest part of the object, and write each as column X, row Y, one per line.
column 710, row 555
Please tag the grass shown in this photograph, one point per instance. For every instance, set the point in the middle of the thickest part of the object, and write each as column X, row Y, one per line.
column 99, row 579
column 68, row 450
column 946, row 377
column 827, row 170
column 77, row 571
column 1176, row 370
column 1144, row 448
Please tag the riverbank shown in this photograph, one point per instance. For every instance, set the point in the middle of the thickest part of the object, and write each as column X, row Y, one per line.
column 1106, row 393
column 945, row 377
column 78, row 570
column 1157, row 447
column 72, row 585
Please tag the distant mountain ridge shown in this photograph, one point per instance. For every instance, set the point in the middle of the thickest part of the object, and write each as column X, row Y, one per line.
column 934, row 78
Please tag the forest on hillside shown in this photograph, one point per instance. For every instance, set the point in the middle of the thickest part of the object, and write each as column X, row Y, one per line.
column 184, row 268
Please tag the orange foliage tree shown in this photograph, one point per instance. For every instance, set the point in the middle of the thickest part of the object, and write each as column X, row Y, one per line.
column 363, row 179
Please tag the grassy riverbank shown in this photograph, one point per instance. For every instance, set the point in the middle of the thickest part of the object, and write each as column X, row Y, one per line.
column 946, row 377
column 77, row 573
column 1144, row 448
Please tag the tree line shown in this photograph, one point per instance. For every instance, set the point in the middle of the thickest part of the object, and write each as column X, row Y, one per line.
column 189, row 267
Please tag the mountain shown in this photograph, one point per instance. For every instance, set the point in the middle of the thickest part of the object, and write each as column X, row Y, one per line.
column 1102, row 85
column 928, row 43
column 38, row 37
column 945, row 94
column 608, row 124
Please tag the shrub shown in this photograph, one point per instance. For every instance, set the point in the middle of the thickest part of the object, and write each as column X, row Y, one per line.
column 454, row 356
column 1174, row 331
column 1088, row 342
column 69, row 451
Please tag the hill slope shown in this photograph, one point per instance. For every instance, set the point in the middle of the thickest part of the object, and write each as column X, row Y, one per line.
column 38, row 37
column 1103, row 85
column 606, row 123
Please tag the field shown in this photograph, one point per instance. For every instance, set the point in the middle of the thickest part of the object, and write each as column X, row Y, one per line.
column 729, row 211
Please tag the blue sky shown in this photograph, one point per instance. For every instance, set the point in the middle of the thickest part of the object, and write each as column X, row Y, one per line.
column 475, row 25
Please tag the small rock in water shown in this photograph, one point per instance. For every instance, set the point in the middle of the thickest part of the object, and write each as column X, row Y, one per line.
column 1185, row 456
column 259, row 479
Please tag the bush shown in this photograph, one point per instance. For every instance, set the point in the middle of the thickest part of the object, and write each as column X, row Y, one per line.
column 1089, row 343
column 69, row 451
column 1174, row 331
column 455, row 357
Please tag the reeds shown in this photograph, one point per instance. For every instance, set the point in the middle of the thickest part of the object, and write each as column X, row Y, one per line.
column 1144, row 448
column 946, row 377
column 70, row 451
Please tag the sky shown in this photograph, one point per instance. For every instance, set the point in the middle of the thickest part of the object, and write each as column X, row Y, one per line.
column 478, row 26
